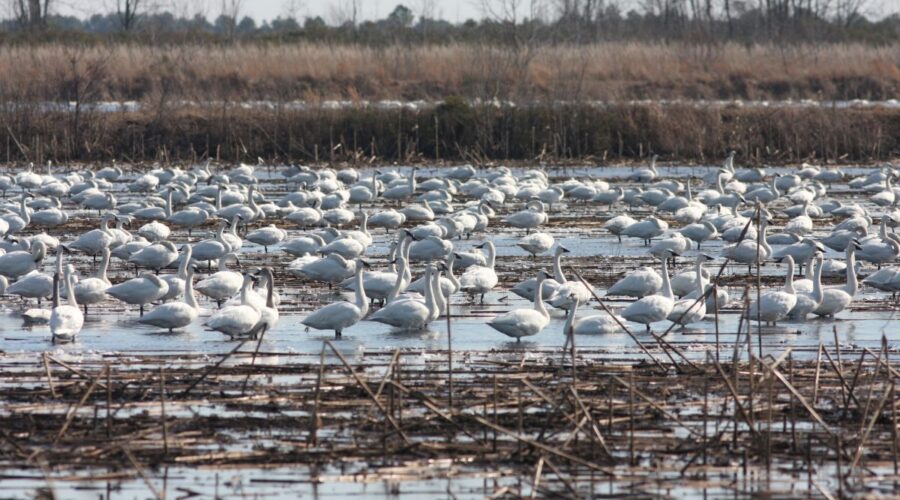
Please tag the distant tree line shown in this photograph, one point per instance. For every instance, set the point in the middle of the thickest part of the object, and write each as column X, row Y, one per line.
column 505, row 22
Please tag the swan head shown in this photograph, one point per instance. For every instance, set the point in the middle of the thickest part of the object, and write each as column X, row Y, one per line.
column 854, row 244
column 563, row 249
column 364, row 264
column 703, row 257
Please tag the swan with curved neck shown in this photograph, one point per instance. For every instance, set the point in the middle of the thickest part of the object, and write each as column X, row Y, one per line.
column 520, row 323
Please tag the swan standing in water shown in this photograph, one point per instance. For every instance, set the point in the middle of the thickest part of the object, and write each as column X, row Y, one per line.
column 224, row 284
column 835, row 300
column 176, row 314
column 807, row 302
column 341, row 315
column 236, row 320
column 19, row 263
column 66, row 320
column 478, row 280
column 653, row 308
column 775, row 305
column 589, row 325
column 562, row 299
column 691, row 310
column 92, row 290
column 520, row 323
column 140, row 291
column 268, row 310
column 411, row 314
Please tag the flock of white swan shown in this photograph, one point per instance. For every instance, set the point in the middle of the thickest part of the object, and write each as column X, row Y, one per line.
column 329, row 213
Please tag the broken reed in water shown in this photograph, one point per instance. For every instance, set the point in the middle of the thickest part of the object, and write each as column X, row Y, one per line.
column 825, row 425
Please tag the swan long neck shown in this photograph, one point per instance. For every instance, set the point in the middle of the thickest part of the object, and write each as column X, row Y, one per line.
column 453, row 279
column 568, row 328
column 270, row 290
column 492, row 255
column 557, row 268
column 104, row 266
column 70, row 289
column 789, row 279
column 169, row 204
column 701, row 284
column 719, row 183
column 817, row 293
column 59, row 261
column 56, row 290
column 189, row 298
column 361, row 301
column 429, row 293
column 666, row 286
column 398, row 283
column 764, row 241
column 852, row 283
column 245, row 288
column 438, row 293
column 539, row 296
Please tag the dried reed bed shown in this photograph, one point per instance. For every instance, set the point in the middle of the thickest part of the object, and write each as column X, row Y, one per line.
column 612, row 70
column 564, row 424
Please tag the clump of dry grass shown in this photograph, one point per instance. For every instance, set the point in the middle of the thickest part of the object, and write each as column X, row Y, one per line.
column 603, row 71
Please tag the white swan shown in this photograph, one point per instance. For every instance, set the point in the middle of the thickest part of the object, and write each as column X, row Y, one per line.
column 35, row 284
column 304, row 245
column 330, row 269
column 21, row 262
column 267, row 236
column 691, row 310
column 341, row 315
column 618, row 224
column 156, row 256
column 775, row 305
column 236, row 320
column 92, row 290
column 176, row 281
column 140, row 291
column 639, row 283
column 478, row 280
column 748, row 250
column 410, row 314
column 562, row 298
column 531, row 217
column 224, row 284
column 176, row 314
column 652, row 308
column 836, row 299
column 536, row 243
column 646, row 230
column 268, row 310
column 66, row 320
column 520, row 323
column 212, row 249
column 94, row 241
column 598, row 324
column 809, row 301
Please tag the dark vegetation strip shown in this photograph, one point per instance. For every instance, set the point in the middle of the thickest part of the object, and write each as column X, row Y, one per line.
column 454, row 131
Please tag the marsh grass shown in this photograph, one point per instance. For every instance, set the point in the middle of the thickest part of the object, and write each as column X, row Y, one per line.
column 603, row 71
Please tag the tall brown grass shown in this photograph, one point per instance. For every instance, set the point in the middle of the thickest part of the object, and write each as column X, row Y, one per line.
column 607, row 71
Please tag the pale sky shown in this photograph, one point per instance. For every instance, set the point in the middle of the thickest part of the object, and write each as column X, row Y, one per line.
column 334, row 11
column 330, row 10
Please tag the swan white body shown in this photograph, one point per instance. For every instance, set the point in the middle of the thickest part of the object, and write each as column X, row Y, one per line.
column 341, row 315
column 236, row 320
column 176, row 314
column 652, row 308
column 520, row 323
column 478, row 280
column 775, row 305
column 66, row 320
